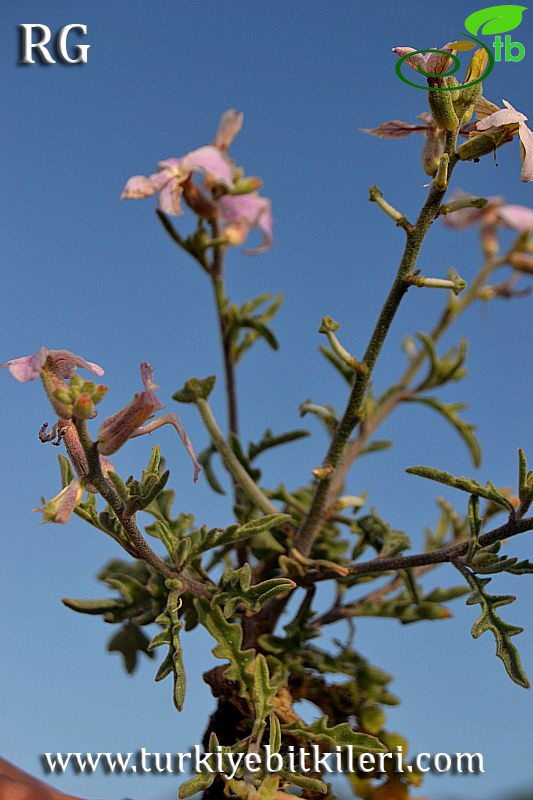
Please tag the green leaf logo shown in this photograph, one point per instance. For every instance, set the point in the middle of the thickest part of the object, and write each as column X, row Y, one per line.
column 495, row 19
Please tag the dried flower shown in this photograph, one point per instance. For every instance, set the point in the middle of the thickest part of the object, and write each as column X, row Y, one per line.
column 126, row 423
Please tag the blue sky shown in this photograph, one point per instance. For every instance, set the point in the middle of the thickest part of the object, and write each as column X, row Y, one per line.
column 85, row 271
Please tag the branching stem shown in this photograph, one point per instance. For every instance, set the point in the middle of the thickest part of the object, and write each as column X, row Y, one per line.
column 353, row 413
column 141, row 546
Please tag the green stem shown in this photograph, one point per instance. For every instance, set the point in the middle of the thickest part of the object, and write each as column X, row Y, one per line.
column 217, row 279
column 231, row 461
column 353, row 412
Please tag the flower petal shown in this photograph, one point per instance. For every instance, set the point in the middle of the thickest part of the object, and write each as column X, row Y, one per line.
column 395, row 129
column 526, row 148
column 230, row 125
column 170, row 196
column 518, row 217
column 210, row 161
column 504, row 116
column 27, row 368
column 252, row 211
column 414, row 61
column 64, row 364
column 438, row 62
column 139, row 186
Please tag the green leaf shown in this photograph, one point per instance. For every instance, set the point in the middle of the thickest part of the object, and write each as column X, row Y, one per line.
column 263, row 691
column 340, row 735
column 490, row 621
column 94, row 607
column 170, row 635
column 243, row 318
column 475, row 522
column 268, row 441
column 275, row 734
column 304, row 782
column 524, row 567
column 450, row 412
column 197, row 784
column 217, row 537
column 65, row 471
column 494, row 19
column 376, row 446
column 205, row 461
column 262, row 330
column 236, row 590
column 129, row 641
column 525, row 481
column 489, row 492
column 442, row 369
column 229, row 638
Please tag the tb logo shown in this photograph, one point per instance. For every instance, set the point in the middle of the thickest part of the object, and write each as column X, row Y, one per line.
column 36, row 37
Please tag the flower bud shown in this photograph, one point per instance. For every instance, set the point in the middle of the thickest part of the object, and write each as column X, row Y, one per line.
column 432, row 150
column 58, row 393
column 483, row 144
column 246, row 185
column 83, row 407
column 522, row 262
column 442, row 109
column 99, row 393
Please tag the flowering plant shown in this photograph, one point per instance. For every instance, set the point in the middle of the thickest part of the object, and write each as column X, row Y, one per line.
column 239, row 580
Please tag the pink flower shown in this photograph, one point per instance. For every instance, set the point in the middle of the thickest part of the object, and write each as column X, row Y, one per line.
column 431, row 62
column 129, row 421
column 514, row 120
column 61, row 363
column 244, row 212
column 175, row 172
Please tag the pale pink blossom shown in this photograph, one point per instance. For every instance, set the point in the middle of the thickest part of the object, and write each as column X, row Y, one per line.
column 244, row 212
column 509, row 117
column 62, row 363
column 173, row 173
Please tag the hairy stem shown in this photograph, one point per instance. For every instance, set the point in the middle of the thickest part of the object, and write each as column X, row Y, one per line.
column 353, row 413
column 141, row 546
column 217, row 280
column 445, row 555
column 231, row 461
